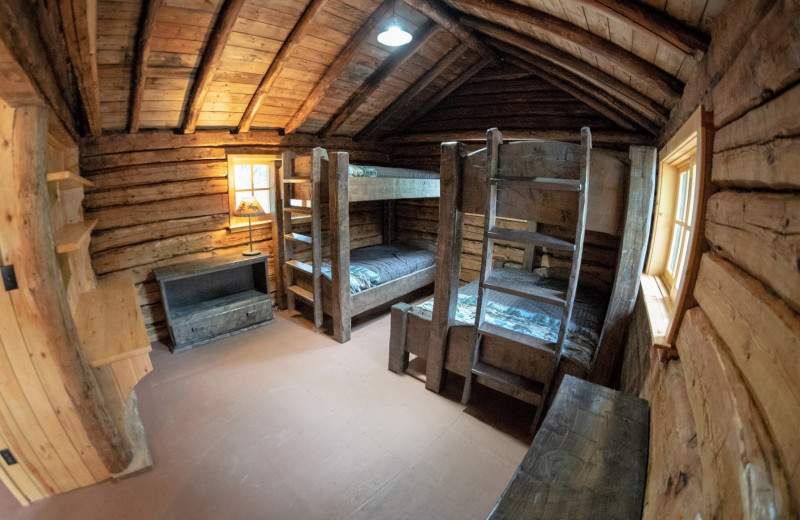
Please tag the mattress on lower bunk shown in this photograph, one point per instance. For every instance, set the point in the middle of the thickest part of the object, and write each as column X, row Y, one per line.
column 387, row 172
column 372, row 266
column 537, row 319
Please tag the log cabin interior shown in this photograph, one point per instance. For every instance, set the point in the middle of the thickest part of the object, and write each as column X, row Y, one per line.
column 640, row 155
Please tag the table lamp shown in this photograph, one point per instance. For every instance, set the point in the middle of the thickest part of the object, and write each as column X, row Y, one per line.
column 249, row 207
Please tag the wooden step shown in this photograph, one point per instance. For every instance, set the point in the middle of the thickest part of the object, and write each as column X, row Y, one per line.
column 74, row 236
column 523, row 283
column 300, row 266
column 509, row 383
column 297, row 180
column 299, row 292
column 297, row 237
column 532, row 238
column 496, row 331
column 542, row 183
column 297, row 209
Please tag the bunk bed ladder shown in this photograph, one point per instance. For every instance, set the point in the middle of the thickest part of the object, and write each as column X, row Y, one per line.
column 521, row 282
column 303, row 279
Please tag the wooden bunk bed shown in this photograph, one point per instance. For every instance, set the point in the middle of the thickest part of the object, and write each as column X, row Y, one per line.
column 345, row 283
column 441, row 330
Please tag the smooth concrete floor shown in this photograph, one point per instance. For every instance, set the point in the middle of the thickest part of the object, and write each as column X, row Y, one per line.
column 282, row 422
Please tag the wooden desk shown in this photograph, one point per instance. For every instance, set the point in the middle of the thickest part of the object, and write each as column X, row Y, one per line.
column 209, row 299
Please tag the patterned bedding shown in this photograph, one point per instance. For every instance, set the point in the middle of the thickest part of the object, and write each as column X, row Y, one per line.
column 375, row 265
column 383, row 171
column 537, row 319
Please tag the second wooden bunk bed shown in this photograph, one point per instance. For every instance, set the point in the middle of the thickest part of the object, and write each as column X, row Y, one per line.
column 316, row 266
column 441, row 330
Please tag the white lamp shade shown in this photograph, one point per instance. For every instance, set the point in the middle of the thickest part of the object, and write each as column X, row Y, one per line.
column 394, row 36
column 249, row 207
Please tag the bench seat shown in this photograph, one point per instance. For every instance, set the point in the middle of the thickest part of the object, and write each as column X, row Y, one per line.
column 588, row 460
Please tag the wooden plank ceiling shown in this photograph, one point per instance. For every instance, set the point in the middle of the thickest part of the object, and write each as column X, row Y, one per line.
column 315, row 66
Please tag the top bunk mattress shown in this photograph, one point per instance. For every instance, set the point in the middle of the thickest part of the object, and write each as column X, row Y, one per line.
column 537, row 319
column 372, row 266
column 386, row 172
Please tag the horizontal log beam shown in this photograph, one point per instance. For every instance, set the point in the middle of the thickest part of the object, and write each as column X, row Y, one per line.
column 278, row 63
column 658, row 79
column 567, row 136
column 442, row 15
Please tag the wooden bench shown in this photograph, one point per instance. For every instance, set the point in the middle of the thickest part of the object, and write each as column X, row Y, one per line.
column 588, row 459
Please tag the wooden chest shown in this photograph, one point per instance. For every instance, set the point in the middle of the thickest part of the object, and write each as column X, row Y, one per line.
column 213, row 298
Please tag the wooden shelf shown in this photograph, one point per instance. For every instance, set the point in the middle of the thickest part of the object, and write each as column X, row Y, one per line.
column 74, row 236
column 67, row 180
column 110, row 323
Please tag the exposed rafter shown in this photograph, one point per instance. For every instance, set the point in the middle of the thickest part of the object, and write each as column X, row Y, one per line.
column 140, row 61
column 278, row 63
column 405, row 99
column 654, row 23
column 442, row 15
column 658, row 79
column 576, row 89
column 371, row 84
column 208, row 66
column 594, row 76
column 439, row 97
column 339, row 65
column 79, row 19
column 598, row 136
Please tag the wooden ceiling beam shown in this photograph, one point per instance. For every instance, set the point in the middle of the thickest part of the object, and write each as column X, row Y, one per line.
column 572, row 85
column 442, row 15
column 594, row 76
column 79, row 19
column 598, row 136
column 451, row 87
column 141, row 60
column 278, row 63
column 339, row 65
column 405, row 99
column 658, row 79
column 652, row 22
column 425, row 34
column 226, row 19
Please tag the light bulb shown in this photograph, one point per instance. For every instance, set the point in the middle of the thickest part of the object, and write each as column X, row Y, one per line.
column 394, row 36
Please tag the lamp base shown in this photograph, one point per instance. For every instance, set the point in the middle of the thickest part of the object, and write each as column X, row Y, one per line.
column 251, row 253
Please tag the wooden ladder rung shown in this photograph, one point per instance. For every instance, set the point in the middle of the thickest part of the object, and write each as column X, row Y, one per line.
column 544, row 346
column 542, row 183
column 297, row 180
column 509, row 383
column 300, row 266
column 297, row 237
column 301, row 293
column 524, row 284
column 297, row 209
column 532, row 238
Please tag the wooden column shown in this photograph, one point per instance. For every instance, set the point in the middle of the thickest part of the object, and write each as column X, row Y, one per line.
column 448, row 260
column 629, row 266
column 40, row 301
column 340, row 245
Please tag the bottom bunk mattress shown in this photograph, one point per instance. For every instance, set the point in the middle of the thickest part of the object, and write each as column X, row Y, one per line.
column 538, row 319
column 372, row 266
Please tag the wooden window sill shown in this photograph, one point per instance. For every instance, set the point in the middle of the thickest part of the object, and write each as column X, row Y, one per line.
column 657, row 303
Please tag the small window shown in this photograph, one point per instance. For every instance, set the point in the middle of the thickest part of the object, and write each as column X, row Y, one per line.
column 674, row 240
column 249, row 176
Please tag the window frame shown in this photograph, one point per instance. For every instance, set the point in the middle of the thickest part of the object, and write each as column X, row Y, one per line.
column 241, row 223
column 666, row 300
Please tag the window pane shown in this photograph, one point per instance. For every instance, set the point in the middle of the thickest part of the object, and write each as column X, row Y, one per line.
column 684, row 254
column 240, row 195
column 690, row 199
column 242, row 179
column 260, row 177
column 262, row 196
column 681, row 207
column 674, row 246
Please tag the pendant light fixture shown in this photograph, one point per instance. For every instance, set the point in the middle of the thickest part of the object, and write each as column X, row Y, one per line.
column 394, row 35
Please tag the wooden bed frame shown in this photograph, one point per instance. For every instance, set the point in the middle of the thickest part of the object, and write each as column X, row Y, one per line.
column 336, row 191
column 446, row 345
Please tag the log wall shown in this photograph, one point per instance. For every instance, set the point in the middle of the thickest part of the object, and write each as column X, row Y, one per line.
column 739, row 348
column 161, row 206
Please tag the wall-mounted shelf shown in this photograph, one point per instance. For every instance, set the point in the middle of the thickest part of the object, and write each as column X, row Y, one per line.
column 74, row 236
column 110, row 323
column 67, row 180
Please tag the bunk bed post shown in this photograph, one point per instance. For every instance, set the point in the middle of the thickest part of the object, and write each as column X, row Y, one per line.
column 398, row 354
column 448, row 260
column 340, row 245
column 318, row 155
column 388, row 221
column 629, row 264
column 287, row 171
column 276, row 201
